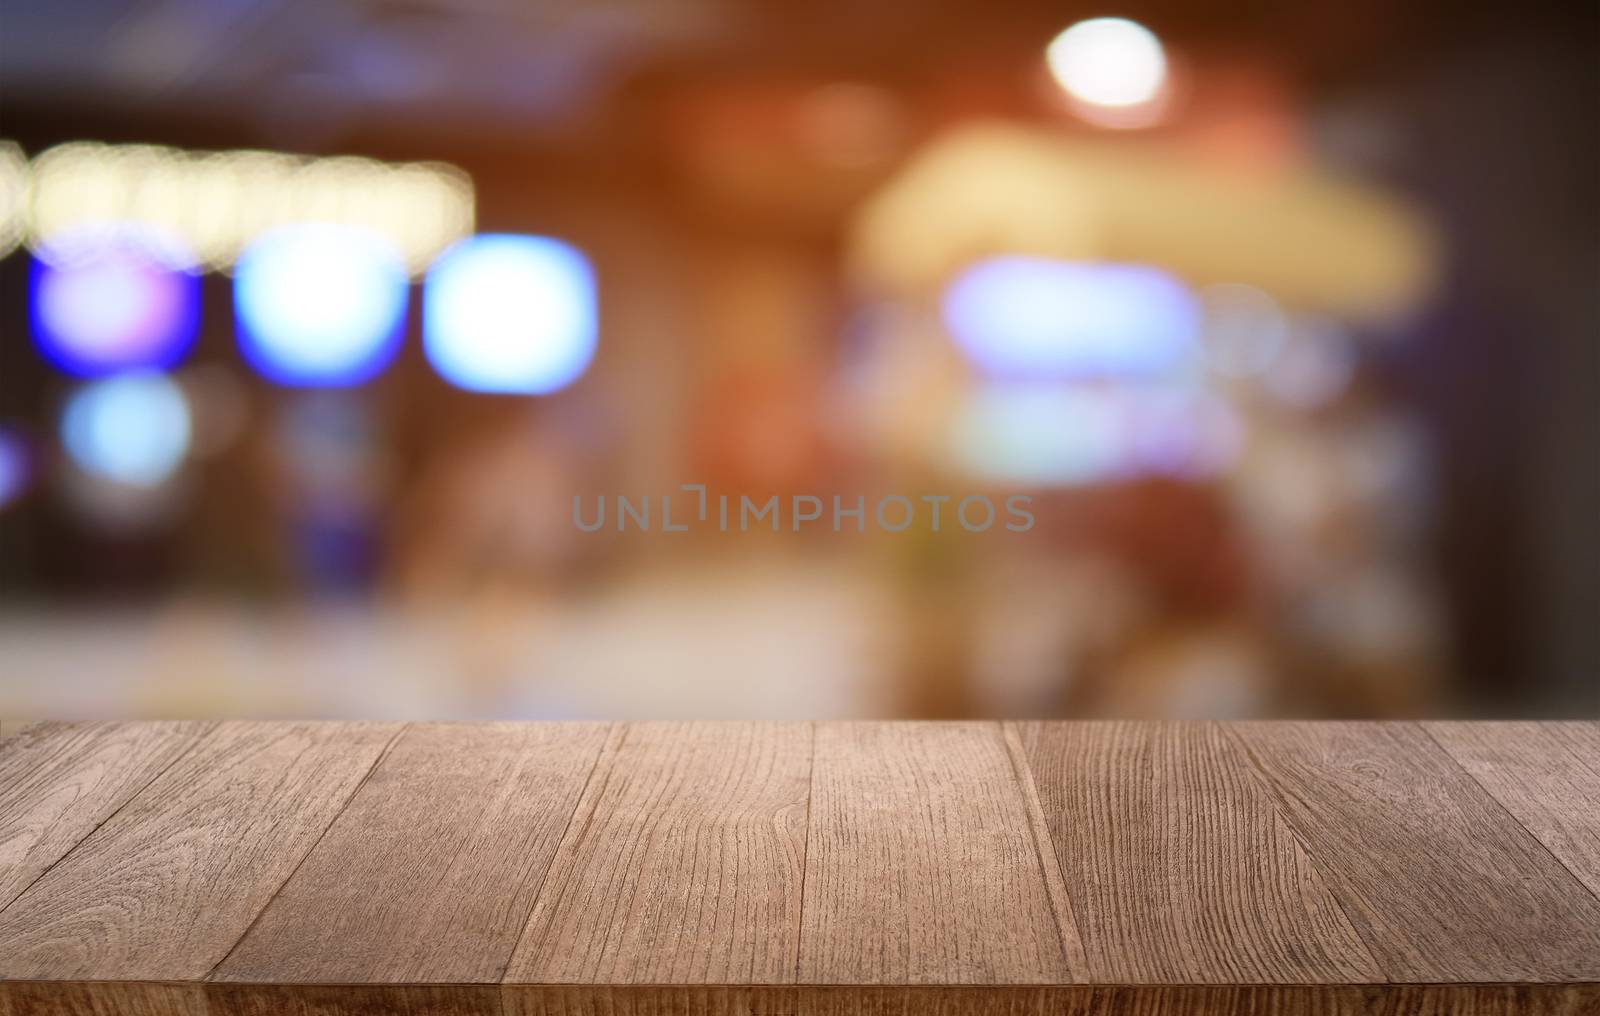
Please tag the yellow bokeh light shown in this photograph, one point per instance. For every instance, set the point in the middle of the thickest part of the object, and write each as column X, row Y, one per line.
column 216, row 203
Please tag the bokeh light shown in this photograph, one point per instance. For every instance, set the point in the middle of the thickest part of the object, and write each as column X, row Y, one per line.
column 1044, row 436
column 16, row 466
column 1070, row 435
column 1111, row 62
column 1034, row 317
column 113, row 299
column 320, row 305
column 15, row 177
column 1244, row 329
column 1315, row 366
column 132, row 429
column 510, row 314
column 1183, row 431
column 218, row 203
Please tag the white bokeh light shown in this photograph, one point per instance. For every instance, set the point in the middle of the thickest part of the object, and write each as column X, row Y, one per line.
column 510, row 314
column 1111, row 62
column 320, row 305
column 1019, row 316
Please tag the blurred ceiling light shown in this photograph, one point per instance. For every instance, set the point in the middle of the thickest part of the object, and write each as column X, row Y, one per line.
column 132, row 429
column 510, row 314
column 1314, row 243
column 14, row 186
column 1110, row 65
column 320, row 305
column 218, row 203
column 1033, row 317
column 1243, row 331
column 16, row 468
column 109, row 300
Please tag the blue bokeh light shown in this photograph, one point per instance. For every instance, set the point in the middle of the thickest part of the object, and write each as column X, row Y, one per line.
column 104, row 301
column 1027, row 317
column 132, row 429
column 320, row 305
column 510, row 314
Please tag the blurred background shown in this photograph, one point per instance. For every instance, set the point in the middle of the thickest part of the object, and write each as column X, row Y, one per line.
column 316, row 316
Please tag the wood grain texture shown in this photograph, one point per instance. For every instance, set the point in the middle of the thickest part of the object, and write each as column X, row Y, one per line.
column 11, row 728
column 1056, row 1000
column 1440, row 881
column 921, row 865
column 1085, row 869
column 1547, row 775
column 430, row 873
column 59, row 781
column 38, row 998
column 165, row 888
column 87, row 998
column 353, row 999
column 683, row 863
column 1178, row 865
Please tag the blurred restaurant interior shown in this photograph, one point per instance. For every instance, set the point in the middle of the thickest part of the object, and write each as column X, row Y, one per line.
column 320, row 318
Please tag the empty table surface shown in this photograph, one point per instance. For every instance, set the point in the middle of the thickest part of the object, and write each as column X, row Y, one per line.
column 262, row 868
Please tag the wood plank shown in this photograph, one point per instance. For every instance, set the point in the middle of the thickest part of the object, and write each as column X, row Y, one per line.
column 58, row 781
column 353, row 999
column 948, row 868
column 1441, row 883
column 165, row 888
column 1057, row 1000
column 41, row 998
column 921, row 865
column 1177, row 864
column 102, row 998
column 683, row 864
column 430, row 873
column 1547, row 775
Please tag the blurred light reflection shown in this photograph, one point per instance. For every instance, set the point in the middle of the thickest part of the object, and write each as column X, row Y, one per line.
column 320, row 305
column 1075, row 435
column 111, row 300
column 1244, row 329
column 510, row 314
column 132, row 429
column 1108, row 62
column 1027, row 317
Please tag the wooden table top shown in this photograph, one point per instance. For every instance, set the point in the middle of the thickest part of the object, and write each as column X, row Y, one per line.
column 264, row 868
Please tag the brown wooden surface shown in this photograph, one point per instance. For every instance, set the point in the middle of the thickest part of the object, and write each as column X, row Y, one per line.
column 1180, row 867
column 58, row 782
column 921, row 865
column 331, row 869
column 167, row 885
column 1547, row 775
column 1441, row 881
column 676, row 815
column 429, row 874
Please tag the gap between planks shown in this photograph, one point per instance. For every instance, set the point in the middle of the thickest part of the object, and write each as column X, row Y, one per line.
column 387, row 747
column 1055, row 883
column 805, row 856
column 1585, row 884
column 617, row 732
column 81, row 840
